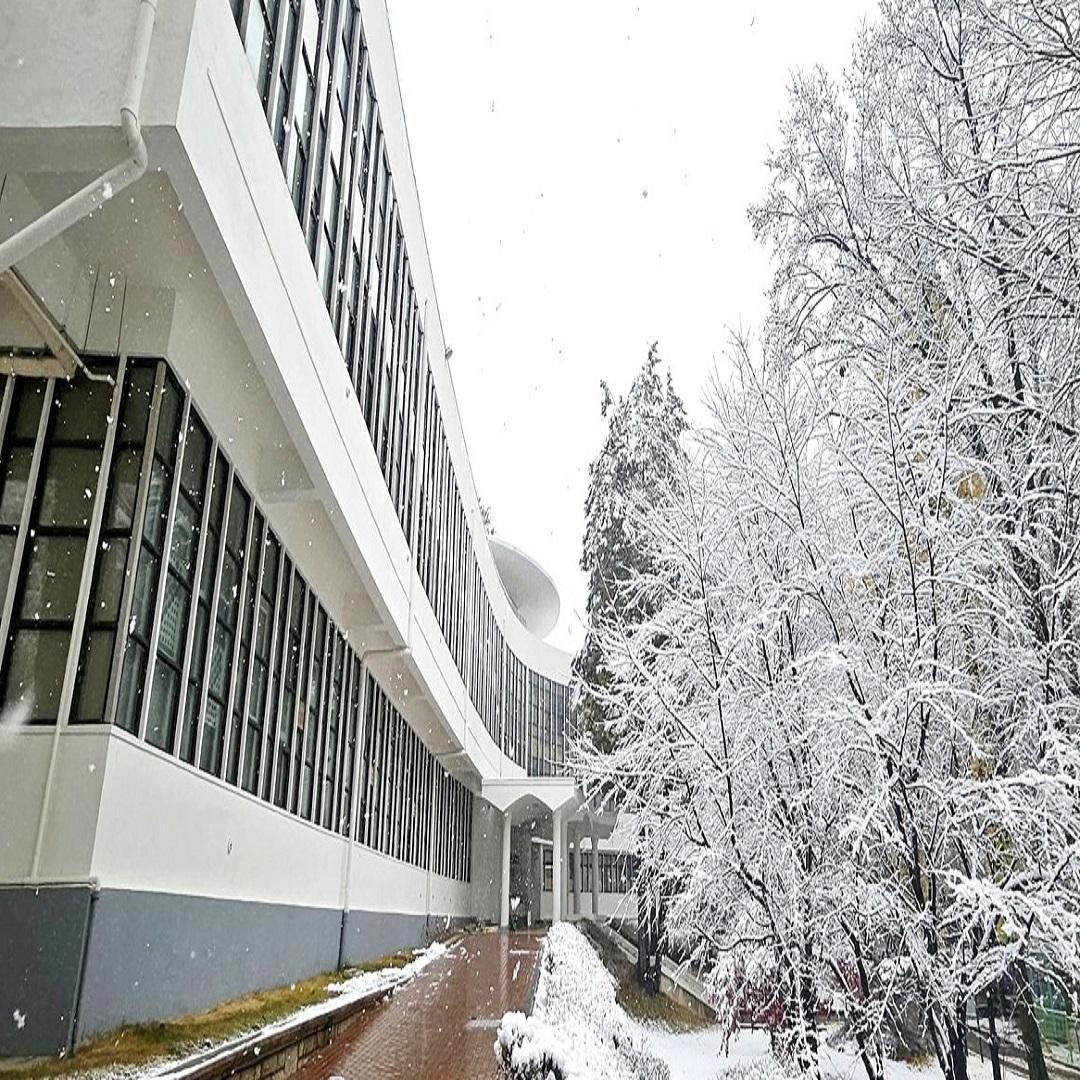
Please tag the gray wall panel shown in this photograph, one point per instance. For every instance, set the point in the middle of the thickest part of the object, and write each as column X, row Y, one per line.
column 156, row 955
column 371, row 934
column 41, row 944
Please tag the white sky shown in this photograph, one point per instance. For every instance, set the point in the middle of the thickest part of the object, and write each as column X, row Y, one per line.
column 584, row 169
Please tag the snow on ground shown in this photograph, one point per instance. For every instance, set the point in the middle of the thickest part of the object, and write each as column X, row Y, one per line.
column 696, row 1055
column 578, row 1032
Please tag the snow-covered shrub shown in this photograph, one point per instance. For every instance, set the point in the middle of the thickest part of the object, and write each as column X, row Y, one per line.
column 577, row 1030
column 762, row 1067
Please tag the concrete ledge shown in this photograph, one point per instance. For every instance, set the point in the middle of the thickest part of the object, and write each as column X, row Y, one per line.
column 280, row 1051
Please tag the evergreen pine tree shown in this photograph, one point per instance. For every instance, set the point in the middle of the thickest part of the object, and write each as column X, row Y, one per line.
column 641, row 449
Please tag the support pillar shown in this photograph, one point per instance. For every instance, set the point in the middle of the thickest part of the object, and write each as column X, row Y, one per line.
column 595, row 857
column 575, row 872
column 504, row 894
column 557, row 840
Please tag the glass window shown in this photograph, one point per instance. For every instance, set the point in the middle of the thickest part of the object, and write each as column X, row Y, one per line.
column 150, row 557
column 314, row 719
column 215, row 521
column 219, row 677
column 179, row 586
column 291, row 677
column 330, row 757
column 44, row 605
column 260, row 664
column 259, row 46
column 114, row 542
column 249, row 602
column 274, row 715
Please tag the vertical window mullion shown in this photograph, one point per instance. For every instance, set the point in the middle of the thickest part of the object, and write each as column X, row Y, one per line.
column 299, row 732
column 215, row 600
column 275, row 60
column 319, row 99
column 372, row 763
column 350, row 726
column 292, row 134
column 275, row 670
column 120, row 645
column 5, row 405
column 238, row 635
column 342, row 245
column 387, row 779
column 323, row 719
column 346, row 746
column 252, row 648
column 414, row 798
column 166, row 547
column 244, row 16
column 393, row 830
column 272, row 766
column 331, row 730
column 304, row 806
column 193, row 612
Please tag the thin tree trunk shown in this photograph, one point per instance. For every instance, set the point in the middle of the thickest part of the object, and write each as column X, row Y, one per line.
column 995, row 1040
column 1029, row 1025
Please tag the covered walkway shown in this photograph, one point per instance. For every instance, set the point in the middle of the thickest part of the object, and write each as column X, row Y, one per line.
column 442, row 1025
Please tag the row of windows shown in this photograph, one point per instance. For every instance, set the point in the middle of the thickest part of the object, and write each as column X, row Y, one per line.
column 617, row 871
column 312, row 71
column 524, row 712
column 146, row 588
column 403, row 789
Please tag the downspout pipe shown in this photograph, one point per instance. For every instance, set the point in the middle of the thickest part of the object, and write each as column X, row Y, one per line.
column 95, row 194
column 346, row 880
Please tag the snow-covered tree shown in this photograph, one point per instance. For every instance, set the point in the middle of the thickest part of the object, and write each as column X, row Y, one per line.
column 644, row 429
column 848, row 729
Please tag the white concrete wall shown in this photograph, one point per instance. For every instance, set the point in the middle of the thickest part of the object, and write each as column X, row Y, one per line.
column 165, row 826
column 68, row 840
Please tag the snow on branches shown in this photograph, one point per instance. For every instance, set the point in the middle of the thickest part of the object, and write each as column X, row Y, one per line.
column 848, row 730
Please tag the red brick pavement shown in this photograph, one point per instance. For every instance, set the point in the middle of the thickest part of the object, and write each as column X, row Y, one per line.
column 442, row 1025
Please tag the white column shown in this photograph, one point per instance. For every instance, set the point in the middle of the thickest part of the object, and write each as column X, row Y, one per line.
column 504, row 895
column 575, row 872
column 595, row 876
column 557, row 839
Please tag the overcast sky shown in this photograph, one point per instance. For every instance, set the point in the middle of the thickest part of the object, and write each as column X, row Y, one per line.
column 584, row 170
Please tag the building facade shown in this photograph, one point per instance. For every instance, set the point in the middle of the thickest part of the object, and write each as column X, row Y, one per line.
column 271, row 701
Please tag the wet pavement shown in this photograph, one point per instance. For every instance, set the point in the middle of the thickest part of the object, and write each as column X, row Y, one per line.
column 442, row 1025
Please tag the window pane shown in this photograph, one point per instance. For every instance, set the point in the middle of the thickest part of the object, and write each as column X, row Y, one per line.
column 81, row 411
column 70, row 481
column 124, row 485
column 16, row 472
column 94, row 677
column 36, row 673
column 174, row 615
column 52, row 574
column 160, row 722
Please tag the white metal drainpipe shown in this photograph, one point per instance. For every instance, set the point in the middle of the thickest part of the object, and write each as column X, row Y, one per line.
column 95, row 194
column 346, row 881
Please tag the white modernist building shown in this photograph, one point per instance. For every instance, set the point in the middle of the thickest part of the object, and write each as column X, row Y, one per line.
column 272, row 701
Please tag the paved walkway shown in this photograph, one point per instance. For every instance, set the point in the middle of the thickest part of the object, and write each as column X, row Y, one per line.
column 442, row 1025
